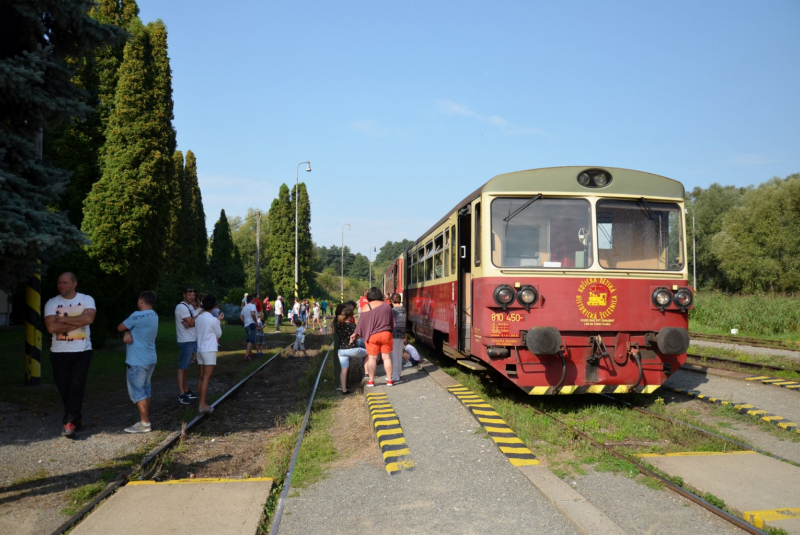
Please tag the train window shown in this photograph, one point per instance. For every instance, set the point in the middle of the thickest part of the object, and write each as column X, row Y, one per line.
column 438, row 256
column 412, row 266
column 541, row 233
column 454, row 250
column 640, row 235
column 477, row 251
column 446, row 252
column 429, row 261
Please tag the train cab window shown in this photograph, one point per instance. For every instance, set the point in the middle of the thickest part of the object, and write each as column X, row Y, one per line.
column 639, row 235
column 446, row 252
column 532, row 232
column 429, row 261
column 438, row 256
column 453, row 251
column 477, row 251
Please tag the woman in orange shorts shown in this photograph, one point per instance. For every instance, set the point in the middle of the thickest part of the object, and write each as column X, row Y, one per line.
column 376, row 326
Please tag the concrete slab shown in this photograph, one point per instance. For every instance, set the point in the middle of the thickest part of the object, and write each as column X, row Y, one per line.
column 758, row 488
column 190, row 506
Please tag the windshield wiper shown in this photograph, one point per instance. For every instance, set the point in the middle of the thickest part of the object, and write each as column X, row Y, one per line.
column 643, row 204
column 532, row 200
column 513, row 214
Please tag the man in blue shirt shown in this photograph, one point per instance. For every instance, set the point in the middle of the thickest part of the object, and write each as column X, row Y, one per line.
column 140, row 330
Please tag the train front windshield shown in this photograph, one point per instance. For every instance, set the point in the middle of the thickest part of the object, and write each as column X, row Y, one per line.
column 543, row 233
column 639, row 235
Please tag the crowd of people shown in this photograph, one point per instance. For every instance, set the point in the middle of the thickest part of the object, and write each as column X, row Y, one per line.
column 379, row 332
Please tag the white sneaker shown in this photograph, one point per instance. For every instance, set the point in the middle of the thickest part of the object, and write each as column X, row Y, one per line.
column 407, row 365
column 139, row 427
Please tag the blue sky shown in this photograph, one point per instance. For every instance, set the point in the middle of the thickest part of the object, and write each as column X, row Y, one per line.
column 405, row 108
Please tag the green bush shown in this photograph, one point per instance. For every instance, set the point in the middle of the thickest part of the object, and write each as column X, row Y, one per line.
column 764, row 314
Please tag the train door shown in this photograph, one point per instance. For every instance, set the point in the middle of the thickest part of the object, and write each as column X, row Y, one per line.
column 464, row 280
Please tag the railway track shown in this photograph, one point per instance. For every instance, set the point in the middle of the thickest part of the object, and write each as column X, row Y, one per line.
column 742, row 340
column 645, row 470
column 168, row 443
column 728, row 517
column 744, row 364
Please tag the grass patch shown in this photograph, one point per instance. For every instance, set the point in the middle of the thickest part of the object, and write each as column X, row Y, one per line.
column 109, row 471
column 317, row 450
column 759, row 315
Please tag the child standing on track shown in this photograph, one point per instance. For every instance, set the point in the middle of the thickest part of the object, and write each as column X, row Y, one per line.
column 300, row 338
column 259, row 337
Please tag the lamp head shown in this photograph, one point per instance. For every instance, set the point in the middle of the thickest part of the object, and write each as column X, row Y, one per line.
column 308, row 167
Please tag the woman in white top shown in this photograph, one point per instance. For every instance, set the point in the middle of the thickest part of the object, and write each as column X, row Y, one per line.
column 209, row 331
column 315, row 317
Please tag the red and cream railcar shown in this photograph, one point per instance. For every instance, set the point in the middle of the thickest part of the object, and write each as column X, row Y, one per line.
column 565, row 280
column 393, row 277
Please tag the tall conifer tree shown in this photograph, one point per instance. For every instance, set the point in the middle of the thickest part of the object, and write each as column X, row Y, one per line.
column 77, row 146
column 126, row 213
column 304, row 243
column 196, row 223
column 281, row 242
column 36, row 40
column 225, row 266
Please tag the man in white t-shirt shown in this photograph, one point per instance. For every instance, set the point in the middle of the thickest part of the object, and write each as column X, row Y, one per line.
column 249, row 317
column 187, row 343
column 278, row 313
column 67, row 317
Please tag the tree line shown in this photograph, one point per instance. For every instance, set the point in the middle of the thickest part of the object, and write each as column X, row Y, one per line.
column 92, row 181
column 747, row 239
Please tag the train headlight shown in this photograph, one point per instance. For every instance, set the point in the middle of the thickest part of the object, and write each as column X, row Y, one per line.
column 594, row 178
column 600, row 179
column 527, row 296
column 504, row 295
column 683, row 298
column 662, row 298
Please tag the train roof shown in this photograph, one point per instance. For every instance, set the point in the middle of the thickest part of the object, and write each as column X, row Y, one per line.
column 565, row 180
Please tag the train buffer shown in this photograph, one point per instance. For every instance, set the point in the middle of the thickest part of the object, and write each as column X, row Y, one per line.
column 762, row 490
column 220, row 506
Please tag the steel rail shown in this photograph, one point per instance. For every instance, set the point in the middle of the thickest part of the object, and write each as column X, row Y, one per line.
column 744, row 364
column 276, row 519
column 113, row 486
column 738, row 522
column 710, row 433
column 741, row 340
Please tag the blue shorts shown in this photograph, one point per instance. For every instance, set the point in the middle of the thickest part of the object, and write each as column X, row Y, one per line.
column 186, row 351
column 139, row 382
column 345, row 354
column 259, row 337
column 250, row 331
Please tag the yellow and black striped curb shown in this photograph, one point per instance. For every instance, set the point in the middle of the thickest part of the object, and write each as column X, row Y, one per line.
column 590, row 389
column 767, row 380
column 497, row 428
column 385, row 422
column 743, row 408
column 760, row 518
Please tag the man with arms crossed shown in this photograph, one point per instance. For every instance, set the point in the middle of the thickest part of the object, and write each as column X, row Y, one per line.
column 67, row 317
column 187, row 343
column 140, row 331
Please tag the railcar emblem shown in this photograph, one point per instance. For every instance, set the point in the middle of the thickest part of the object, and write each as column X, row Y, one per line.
column 596, row 301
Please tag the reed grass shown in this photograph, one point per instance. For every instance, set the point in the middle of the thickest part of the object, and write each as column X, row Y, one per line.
column 753, row 315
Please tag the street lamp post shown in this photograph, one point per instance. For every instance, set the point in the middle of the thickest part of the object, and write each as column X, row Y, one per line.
column 296, row 211
column 341, row 299
column 371, row 249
